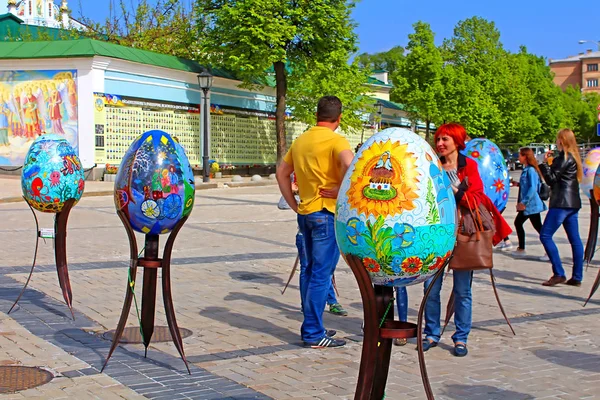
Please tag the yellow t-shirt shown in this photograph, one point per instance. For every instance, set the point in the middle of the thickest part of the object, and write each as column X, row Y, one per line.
column 315, row 157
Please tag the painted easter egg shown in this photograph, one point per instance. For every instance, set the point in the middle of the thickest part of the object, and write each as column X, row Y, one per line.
column 492, row 169
column 590, row 168
column 396, row 210
column 155, row 183
column 597, row 185
column 52, row 174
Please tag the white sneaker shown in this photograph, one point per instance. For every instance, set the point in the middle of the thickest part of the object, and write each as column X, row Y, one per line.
column 519, row 253
column 544, row 258
column 503, row 246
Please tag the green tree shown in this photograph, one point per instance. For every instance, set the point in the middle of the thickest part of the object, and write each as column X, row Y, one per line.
column 418, row 79
column 475, row 77
column 163, row 26
column 305, row 42
column 385, row 60
column 581, row 111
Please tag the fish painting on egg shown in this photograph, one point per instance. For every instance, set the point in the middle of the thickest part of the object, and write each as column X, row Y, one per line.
column 155, row 183
column 52, row 174
column 492, row 169
column 396, row 209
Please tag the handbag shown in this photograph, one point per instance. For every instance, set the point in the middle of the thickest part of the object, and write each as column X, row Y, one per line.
column 473, row 249
column 544, row 191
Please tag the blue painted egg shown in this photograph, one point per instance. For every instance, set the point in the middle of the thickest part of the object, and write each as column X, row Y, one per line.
column 52, row 174
column 155, row 184
column 590, row 168
column 396, row 209
column 492, row 169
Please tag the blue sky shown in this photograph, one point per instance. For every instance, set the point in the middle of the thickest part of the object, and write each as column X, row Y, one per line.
column 548, row 28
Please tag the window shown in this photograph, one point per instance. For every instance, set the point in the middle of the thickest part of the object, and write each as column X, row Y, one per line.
column 592, row 67
column 50, row 13
column 592, row 82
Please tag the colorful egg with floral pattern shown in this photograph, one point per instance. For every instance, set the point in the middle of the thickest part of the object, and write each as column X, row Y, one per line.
column 492, row 169
column 395, row 210
column 590, row 168
column 597, row 185
column 52, row 174
column 154, row 186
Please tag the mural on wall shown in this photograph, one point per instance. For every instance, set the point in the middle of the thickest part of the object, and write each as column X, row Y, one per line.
column 32, row 104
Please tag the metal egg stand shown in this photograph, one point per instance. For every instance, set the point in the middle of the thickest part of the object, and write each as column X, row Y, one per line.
column 60, row 253
column 151, row 263
column 590, row 247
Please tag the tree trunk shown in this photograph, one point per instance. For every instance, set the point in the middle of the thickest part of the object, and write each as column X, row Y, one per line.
column 281, row 85
column 427, row 130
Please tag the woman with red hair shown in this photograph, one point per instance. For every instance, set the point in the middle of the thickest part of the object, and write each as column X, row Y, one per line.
column 466, row 184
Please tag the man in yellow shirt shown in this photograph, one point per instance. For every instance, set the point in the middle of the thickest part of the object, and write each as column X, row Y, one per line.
column 319, row 158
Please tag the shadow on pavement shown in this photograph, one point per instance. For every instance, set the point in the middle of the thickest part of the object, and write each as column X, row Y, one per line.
column 572, row 359
column 482, row 392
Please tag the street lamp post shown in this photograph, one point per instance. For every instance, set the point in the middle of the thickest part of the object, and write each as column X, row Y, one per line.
column 591, row 41
column 379, row 113
column 205, row 81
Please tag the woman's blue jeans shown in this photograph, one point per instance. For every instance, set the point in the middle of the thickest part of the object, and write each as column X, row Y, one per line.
column 567, row 217
column 463, row 307
column 322, row 255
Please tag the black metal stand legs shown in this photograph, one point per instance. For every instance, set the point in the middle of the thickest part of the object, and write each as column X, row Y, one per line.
column 379, row 333
column 151, row 263
column 60, row 254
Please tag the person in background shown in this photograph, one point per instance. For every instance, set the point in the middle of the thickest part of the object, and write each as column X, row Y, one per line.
column 402, row 307
column 563, row 177
column 529, row 203
column 319, row 158
column 468, row 190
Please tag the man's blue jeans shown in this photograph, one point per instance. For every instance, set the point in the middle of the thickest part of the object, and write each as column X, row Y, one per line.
column 463, row 307
column 566, row 217
column 322, row 254
column 402, row 303
column 303, row 259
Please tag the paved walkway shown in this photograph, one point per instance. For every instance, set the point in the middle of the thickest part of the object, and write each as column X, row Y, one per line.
column 230, row 263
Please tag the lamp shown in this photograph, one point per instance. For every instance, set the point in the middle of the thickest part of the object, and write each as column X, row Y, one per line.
column 379, row 107
column 205, row 80
column 590, row 41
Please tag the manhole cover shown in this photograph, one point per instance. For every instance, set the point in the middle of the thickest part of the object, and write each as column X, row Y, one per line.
column 15, row 378
column 131, row 334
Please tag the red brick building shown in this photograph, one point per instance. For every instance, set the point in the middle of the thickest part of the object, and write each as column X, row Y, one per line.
column 582, row 70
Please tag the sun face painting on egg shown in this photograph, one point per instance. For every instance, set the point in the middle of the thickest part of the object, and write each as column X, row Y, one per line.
column 396, row 209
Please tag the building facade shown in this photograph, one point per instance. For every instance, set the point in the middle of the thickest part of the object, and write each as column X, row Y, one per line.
column 581, row 70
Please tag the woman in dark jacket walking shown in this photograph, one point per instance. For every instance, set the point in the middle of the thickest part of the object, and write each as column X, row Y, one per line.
column 563, row 178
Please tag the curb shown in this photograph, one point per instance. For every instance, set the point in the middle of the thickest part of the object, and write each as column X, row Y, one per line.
column 199, row 186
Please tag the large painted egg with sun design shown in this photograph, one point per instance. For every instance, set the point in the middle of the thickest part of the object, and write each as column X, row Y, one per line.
column 492, row 169
column 597, row 185
column 154, row 186
column 52, row 174
column 395, row 212
column 590, row 168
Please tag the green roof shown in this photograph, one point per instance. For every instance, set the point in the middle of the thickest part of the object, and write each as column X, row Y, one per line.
column 389, row 104
column 374, row 81
column 90, row 48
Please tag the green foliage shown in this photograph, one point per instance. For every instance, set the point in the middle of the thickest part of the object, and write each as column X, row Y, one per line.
column 386, row 60
column 306, row 42
column 163, row 26
column 418, row 79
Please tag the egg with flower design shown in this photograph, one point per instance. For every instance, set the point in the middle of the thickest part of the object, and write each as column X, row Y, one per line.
column 396, row 211
column 154, row 186
column 52, row 174
column 492, row 169
column 590, row 168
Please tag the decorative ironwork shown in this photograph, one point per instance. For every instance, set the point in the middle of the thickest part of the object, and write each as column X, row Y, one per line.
column 132, row 334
